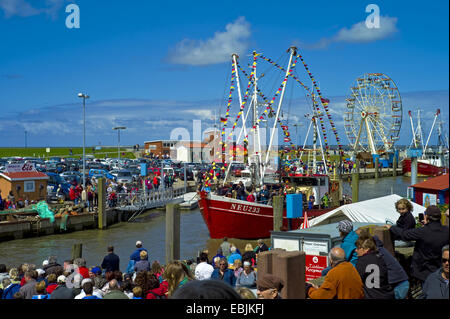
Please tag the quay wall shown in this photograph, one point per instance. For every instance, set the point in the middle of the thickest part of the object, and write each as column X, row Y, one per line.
column 18, row 229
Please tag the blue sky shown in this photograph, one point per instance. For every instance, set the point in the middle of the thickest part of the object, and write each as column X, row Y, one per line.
column 153, row 66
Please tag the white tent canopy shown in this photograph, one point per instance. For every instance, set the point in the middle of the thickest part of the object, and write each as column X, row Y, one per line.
column 377, row 210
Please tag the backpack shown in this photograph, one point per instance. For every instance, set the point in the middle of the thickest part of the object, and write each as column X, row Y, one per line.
column 158, row 296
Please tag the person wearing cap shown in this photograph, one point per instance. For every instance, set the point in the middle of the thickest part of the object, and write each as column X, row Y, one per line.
column 136, row 254
column 269, row 287
column 341, row 282
column 247, row 278
column 429, row 239
column 61, row 291
column 349, row 237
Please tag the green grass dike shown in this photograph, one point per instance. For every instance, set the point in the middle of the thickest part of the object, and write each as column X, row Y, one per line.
column 77, row 152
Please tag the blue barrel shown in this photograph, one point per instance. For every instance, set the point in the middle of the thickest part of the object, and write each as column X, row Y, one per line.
column 294, row 206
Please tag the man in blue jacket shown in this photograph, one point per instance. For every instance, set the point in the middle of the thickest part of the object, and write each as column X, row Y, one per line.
column 223, row 273
column 136, row 255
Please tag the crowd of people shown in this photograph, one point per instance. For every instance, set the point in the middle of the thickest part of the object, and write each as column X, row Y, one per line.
column 141, row 280
column 265, row 194
column 362, row 268
column 359, row 267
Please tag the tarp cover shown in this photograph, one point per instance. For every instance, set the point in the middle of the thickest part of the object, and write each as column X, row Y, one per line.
column 377, row 210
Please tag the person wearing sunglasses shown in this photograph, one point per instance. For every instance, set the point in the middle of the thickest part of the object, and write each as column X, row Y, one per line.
column 224, row 273
column 436, row 285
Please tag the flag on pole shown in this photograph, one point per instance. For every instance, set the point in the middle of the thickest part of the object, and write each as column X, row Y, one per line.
column 305, row 223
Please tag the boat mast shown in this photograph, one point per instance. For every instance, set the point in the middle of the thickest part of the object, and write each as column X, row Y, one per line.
column 432, row 127
column 293, row 51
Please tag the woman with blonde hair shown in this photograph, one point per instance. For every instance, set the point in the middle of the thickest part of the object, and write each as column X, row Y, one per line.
column 177, row 274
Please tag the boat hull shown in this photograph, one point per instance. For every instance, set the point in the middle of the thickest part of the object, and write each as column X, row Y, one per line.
column 423, row 169
column 232, row 218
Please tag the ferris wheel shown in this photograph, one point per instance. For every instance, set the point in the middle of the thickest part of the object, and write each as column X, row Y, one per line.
column 374, row 113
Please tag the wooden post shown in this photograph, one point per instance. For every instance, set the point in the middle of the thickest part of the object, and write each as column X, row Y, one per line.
column 355, row 187
column 77, row 250
column 376, row 167
column 101, row 203
column 172, row 233
column 277, row 212
column 394, row 166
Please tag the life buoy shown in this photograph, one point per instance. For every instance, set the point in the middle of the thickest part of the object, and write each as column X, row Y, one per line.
column 334, row 187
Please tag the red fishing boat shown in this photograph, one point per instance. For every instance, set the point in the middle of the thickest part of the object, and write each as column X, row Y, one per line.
column 424, row 168
column 234, row 218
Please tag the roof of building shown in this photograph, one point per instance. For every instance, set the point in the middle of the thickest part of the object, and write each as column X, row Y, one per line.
column 23, row 176
column 437, row 183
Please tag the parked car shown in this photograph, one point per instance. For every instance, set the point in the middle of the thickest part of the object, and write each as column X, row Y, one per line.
column 99, row 173
column 124, row 176
column 53, row 183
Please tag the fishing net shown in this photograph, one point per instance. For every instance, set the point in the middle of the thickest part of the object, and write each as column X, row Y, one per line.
column 44, row 211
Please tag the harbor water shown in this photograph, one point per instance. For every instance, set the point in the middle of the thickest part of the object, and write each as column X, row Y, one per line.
column 150, row 229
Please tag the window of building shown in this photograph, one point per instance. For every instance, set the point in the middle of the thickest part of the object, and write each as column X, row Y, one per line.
column 29, row 186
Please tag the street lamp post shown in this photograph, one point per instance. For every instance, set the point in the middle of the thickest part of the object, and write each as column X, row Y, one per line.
column 84, row 97
column 118, row 128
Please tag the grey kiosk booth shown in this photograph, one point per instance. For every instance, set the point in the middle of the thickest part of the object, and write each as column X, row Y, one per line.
column 317, row 240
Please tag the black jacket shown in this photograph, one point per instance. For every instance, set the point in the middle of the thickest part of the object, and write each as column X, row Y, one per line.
column 381, row 288
column 111, row 262
column 62, row 292
column 406, row 221
column 261, row 248
column 53, row 268
column 396, row 273
column 428, row 248
column 248, row 256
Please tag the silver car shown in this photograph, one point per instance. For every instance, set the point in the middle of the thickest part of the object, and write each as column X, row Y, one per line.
column 124, row 177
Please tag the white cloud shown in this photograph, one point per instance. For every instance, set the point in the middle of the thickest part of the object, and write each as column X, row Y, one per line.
column 360, row 33
column 22, row 8
column 202, row 114
column 214, row 50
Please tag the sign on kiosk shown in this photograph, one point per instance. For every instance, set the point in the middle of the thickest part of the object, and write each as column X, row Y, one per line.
column 314, row 262
column 314, row 266
column 18, row 168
